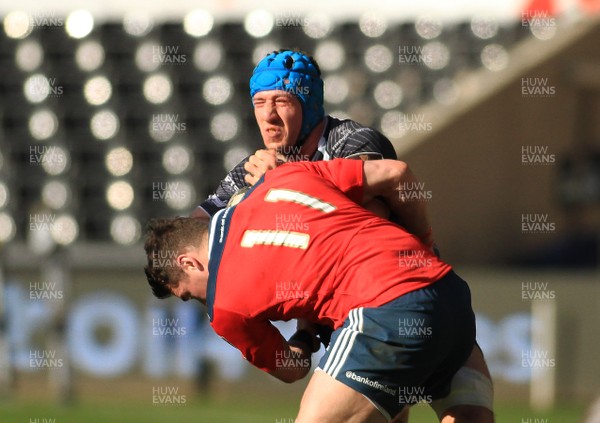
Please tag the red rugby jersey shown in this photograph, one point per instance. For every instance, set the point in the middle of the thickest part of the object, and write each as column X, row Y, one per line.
column 300, row 246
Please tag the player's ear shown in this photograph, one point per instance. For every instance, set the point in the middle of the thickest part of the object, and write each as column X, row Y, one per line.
column 186, row 261
column 189, row 262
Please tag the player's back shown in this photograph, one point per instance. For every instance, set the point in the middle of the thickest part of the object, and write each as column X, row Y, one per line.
column 299, row 245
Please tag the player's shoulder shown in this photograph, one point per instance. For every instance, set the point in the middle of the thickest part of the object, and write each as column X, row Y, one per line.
column 342, row 128
column 346, row 137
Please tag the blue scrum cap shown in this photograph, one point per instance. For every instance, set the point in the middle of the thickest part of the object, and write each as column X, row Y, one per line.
column 294, row 72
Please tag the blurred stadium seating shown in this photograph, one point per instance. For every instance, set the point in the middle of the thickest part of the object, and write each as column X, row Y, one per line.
column 163, row 112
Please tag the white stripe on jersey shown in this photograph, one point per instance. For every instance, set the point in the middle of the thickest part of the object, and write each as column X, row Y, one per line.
column 276, row 238
column 276, row 195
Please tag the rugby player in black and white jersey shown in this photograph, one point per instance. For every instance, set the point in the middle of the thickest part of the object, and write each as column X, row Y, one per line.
column 287, row 94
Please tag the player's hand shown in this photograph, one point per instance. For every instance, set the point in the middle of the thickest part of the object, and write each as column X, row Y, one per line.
column 324, row 334
column 306, row 341
column 303, row 325
column 321, row 333
column 261, row 162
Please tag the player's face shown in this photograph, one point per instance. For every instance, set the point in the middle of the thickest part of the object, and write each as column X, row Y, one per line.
column 279, row 117
column 188, row 289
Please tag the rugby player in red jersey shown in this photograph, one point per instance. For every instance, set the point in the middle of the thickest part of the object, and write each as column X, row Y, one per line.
column 404, row 326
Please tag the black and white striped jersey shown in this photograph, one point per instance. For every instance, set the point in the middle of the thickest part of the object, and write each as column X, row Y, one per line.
column 341, row 139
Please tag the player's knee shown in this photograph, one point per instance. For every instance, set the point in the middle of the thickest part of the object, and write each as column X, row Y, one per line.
column 468, row 414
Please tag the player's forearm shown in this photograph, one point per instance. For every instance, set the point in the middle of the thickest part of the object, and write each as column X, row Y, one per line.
column 404, row 203
column 393, row 181
column 413, row 215
column 295, row 362
column 292, row 365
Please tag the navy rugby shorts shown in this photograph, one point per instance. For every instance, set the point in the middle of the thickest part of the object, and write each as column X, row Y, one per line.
column 405, row 351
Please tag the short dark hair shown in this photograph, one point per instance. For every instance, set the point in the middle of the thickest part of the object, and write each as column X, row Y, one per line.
column 165, row 239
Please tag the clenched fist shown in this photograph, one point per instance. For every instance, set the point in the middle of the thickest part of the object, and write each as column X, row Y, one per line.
column 260, row 162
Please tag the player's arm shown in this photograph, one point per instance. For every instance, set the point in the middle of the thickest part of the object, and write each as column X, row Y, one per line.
column 367, row 144
column 263, row 345
column 375, row 205
column 387, row 179
column 299, row 350
column 233, row 182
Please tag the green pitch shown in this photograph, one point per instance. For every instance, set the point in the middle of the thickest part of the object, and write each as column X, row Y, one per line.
column 238, row 411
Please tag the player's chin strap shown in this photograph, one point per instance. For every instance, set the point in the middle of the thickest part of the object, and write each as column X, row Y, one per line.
column 301, row 141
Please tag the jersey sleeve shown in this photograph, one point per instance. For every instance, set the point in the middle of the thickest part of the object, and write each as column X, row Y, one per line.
column 362, row 142
column 258, row 340
column 233, row 182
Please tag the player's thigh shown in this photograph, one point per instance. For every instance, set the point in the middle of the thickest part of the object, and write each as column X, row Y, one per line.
column 328, row 401
column 481, row 393
column 401, row 417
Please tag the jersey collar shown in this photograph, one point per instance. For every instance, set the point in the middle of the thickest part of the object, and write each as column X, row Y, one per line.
column 217, row 237
column 219, row 225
